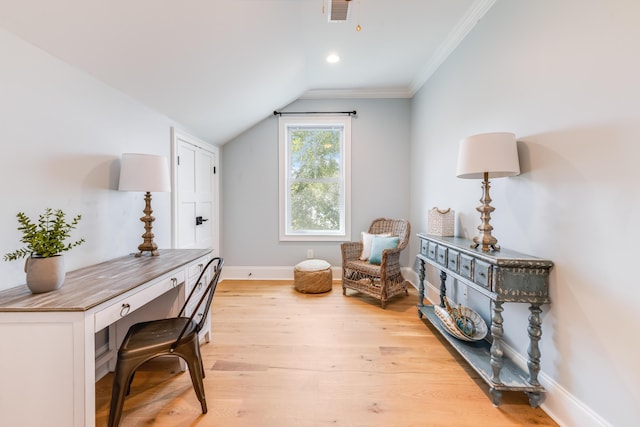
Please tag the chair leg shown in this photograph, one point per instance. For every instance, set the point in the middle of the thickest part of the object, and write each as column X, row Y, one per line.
column 190, row 353
column 122, row 378
column 204, row 375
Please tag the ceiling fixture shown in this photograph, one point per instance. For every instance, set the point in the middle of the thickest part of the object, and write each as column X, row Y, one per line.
column 339, row 11
column 333, row 58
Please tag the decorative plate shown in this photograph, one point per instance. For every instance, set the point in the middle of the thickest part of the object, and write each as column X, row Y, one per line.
column 475, row 325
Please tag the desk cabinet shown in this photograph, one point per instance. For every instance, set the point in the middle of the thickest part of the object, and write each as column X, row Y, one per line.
column 48, row 360
column 501, row 276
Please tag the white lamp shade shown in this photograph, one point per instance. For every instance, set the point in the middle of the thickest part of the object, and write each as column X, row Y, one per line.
column 495, row 153
column 144, row 172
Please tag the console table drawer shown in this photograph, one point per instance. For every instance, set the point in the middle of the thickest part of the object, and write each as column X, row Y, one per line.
column 424, row 247
column 452, row 260
column 441, row 254
column 466, row 266
column 431, row 252
column 482, row 273
column 133, row 302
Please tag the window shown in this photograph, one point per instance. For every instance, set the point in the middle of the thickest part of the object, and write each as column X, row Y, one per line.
column 315, row 182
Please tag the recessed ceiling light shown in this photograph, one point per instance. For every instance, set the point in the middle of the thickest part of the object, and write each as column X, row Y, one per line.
column 333, row 58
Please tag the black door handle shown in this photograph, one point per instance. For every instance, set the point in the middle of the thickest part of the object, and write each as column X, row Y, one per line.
column 200, row 220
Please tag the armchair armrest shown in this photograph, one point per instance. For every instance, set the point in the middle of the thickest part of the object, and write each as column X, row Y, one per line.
column 351, row 250
column 390, row 264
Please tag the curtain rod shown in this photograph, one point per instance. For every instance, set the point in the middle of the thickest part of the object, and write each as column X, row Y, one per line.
column 284, row 113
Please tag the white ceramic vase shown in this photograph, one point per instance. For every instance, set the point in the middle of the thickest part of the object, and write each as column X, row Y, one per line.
column 44, row 274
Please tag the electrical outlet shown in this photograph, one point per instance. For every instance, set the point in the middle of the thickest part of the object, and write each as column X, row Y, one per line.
column 309, row 253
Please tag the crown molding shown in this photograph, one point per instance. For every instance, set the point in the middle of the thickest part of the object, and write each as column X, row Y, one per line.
column 477, row 10
column 356, row 93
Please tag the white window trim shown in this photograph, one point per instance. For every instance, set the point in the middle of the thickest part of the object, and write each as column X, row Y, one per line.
column 283, row 168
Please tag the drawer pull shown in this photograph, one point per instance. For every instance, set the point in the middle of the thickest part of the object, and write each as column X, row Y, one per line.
column 481, row 274
column 199, row 285
column 465, row 266
column 174, row 282
column 125, row 309
column 201, row 266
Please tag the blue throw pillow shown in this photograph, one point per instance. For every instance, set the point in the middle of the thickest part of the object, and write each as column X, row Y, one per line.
column 379, row 244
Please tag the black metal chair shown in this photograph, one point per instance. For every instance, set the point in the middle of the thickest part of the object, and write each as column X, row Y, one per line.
column 174, row 336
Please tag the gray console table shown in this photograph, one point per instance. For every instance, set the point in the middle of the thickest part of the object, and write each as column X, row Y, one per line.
column 502, row 276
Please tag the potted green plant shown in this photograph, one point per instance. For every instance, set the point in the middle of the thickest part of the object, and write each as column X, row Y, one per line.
column 45, row 242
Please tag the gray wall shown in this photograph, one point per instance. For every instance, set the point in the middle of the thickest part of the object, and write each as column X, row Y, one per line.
column 563, row 76
column 63, row 133
column 380, row 182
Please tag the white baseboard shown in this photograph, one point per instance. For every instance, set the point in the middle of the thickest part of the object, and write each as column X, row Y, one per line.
column 286, row 273
column 266, row 273
column 563, row 407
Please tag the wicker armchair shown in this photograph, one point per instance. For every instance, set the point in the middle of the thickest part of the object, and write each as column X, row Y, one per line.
column 379, row 281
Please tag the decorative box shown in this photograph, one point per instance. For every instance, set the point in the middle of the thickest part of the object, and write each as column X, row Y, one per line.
column 441, row 222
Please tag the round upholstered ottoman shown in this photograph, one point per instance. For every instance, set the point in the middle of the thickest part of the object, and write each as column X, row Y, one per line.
column 312, row 276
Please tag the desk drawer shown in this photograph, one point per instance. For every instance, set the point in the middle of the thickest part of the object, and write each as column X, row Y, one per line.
column 199, row 288
column 196, row 268
column 466, row 266
column 482, row 274
column 194, row 272
column 122, row 307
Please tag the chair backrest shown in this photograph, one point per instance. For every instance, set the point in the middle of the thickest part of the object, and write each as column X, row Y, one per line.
column 396, row 227
column 215, row 264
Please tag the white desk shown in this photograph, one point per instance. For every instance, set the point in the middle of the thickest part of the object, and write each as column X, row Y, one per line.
column 48, row 346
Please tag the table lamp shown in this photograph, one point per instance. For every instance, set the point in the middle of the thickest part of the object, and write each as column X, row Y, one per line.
column 146, row 173
column 484, row 156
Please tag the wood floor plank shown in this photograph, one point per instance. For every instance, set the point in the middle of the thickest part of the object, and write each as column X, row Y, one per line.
column 279, row 358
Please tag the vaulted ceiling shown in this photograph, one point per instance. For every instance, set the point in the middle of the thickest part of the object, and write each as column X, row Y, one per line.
column 219, row 66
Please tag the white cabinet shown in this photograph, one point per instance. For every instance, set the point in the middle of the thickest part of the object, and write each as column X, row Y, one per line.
column 51, row 364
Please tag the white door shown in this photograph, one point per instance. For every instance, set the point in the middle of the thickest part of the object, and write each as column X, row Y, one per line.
column 196, row 194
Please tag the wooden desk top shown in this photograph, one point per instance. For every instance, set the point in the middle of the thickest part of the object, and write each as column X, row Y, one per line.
column 88, row 287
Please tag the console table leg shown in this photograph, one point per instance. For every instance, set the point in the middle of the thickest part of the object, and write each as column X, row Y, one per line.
column 535, row 398
column 422, row 276
column 535, row 332
column 496, row 346
column 496, row 396
column 443, row 287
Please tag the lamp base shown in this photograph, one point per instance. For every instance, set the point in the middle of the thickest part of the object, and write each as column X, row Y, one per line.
column 153, row 250
column 488, row 242
column 148, row 245
column 485, row 238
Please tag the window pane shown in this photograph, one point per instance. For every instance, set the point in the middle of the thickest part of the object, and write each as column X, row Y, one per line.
column 315, row 153
column 315, row 206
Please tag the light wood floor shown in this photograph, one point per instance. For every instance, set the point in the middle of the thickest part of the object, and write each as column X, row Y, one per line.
column 279, row 358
